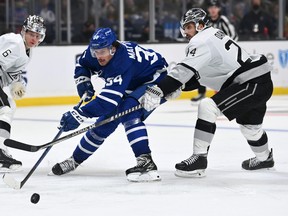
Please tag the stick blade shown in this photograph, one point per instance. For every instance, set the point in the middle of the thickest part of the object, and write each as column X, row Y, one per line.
column 19, row 145
column 11, row 182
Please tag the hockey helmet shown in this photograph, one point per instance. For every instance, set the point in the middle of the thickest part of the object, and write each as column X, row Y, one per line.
column 35, row 24
column 195, row 15
column 102, row 38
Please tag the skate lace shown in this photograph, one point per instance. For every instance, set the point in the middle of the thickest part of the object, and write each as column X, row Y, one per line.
column 254, row 162
column 191, row 159
column 142, row 161
column 68, row 165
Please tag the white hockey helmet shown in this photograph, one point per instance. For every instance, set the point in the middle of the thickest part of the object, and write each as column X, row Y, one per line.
column 36, row 24
column 195, row 15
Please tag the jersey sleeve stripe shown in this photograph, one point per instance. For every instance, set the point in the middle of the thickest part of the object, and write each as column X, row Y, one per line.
column 191, row 68
column 107, row 99
column 112, row 92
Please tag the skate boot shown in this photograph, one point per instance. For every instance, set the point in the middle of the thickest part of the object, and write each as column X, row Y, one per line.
column 255, row 164
column 144, row 171
column 64, row 167
column 194, row 166
column 7, row 163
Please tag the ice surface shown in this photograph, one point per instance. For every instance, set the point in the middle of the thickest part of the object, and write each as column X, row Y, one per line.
column 99, row 186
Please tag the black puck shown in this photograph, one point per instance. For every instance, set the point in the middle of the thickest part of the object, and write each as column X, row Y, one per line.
column 35, row 198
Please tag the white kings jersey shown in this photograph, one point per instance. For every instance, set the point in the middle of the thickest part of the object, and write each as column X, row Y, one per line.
column 214, row 59
column 13, row 58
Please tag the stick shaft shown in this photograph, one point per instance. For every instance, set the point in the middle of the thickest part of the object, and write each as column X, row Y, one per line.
column 32, row 148
column 39, row 160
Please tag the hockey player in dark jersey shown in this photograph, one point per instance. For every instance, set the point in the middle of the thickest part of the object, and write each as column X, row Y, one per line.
column 127, row 69
column 243, row 84
column 15, row 53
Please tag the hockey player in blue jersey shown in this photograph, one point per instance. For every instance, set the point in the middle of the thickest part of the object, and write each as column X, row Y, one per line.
column 127, row 69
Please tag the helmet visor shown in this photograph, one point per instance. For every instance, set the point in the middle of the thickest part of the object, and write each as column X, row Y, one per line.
column 96, row 53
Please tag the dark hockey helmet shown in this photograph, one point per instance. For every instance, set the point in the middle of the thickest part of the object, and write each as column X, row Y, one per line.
column 36, row 24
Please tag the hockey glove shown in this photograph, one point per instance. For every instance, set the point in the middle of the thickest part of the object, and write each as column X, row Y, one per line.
column 152, row 97
column 84, row 85
column 18, row 89
column 72, row 119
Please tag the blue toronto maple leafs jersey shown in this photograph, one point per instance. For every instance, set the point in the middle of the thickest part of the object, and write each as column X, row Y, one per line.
column 131, row 67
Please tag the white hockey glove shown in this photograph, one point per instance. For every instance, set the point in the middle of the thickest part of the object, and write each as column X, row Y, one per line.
column 18, row 89
column 152, row 98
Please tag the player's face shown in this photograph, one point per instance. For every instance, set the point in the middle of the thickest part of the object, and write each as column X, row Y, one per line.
column 103, row 55
column 190, row 30
column 32, row 39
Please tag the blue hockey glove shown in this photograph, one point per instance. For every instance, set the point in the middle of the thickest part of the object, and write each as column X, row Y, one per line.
column 72, row 119
column 84, row 85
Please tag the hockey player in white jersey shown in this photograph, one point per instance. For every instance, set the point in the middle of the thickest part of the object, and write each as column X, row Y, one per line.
column 15, row 51
column 217, row 20
column 243, row 83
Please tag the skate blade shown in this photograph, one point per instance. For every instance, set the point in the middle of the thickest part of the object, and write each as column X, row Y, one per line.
column 51, row 174
column 261, row 169
column 144, row 177
column 190, row 174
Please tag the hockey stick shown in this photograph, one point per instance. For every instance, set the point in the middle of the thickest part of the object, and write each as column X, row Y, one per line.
column 32, row 148
column 12, row 182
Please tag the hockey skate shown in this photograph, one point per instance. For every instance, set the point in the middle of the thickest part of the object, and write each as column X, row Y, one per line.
column 255, row 164
column 7, row 163
column 65, row 166
column 194, row 166
column 144, row 171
